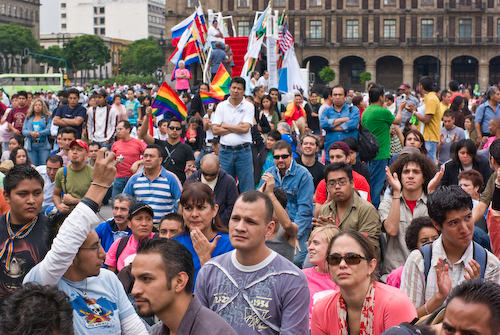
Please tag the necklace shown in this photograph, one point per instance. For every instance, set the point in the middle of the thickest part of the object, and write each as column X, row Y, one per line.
column 8, row 247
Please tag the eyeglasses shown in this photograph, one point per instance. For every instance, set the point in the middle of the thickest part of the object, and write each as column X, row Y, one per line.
column 342, row 182
column 97, row 247
column 277, row 157
column 349, row 258
column 213, row 174
column 174, row 128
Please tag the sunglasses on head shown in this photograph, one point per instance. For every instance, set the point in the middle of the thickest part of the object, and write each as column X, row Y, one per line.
column 349, row 258
column 174, row 128
column 213, row 174
column 281, row 156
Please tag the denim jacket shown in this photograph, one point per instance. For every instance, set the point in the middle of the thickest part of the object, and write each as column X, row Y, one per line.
column 330, row 114
column 299, row 187
column 28, row 128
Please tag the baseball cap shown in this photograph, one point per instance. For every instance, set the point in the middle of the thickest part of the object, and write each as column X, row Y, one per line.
column 80, row 143
column 139, row 206
column 404, row 86
column 409, row 150
column 340, row 145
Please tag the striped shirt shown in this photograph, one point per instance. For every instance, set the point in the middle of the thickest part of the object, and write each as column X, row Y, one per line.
column 413, row 278
column 161, row 194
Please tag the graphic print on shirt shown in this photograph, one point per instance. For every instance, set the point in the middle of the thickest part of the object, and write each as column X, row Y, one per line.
column 96, row 313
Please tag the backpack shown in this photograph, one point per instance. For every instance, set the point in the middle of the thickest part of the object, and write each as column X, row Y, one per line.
column 479, row 255
column 368, row 143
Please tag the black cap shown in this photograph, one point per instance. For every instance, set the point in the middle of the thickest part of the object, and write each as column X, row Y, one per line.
column 139, row 206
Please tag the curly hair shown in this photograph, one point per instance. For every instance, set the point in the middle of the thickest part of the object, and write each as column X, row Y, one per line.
column 416, row 225
column 45, row 109
column 428, row 168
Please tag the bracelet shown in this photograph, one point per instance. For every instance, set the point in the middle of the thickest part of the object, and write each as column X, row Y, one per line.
column 91, row 204
column 425, row 307
column 396, row 198
column 101, row 185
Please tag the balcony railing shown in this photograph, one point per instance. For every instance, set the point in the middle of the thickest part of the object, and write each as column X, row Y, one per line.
column 351, row 41
column 466, row 6
column 388, row 41
column 315, row 42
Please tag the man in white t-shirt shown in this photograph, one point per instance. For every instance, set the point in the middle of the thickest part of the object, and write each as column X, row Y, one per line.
column 232, row 122
column 215, row 35
column 264, row 81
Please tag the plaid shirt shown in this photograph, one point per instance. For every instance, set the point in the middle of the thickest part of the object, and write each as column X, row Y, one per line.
column 413, row 278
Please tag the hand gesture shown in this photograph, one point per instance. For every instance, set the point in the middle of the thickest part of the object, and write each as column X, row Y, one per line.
column 268, row 186
column 62, row 207
column 484, row 140
column 443, row 278
column 68, row 199
column 441, row 139
column 393, row 180
column 474, row 271
column 402, row 104
column 454, row 138
column 323, row 221
column 202, row 246
column 297, row 247
column 434, row 182
column 104, row 167
column 149, row 111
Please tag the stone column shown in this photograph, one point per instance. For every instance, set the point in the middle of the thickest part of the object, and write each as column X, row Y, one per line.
column 372, row 68
column 408, row 74
column 483, row 75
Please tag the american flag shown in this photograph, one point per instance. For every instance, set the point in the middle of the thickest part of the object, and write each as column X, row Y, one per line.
column 286, row 41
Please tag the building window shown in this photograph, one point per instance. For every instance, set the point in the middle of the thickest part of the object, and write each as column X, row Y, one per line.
column 315, row 29
column 427, row 28
column 352, row 29
column 465, row 28
column 353, row 3
column 96, row 31
column 389, row 29
column 3, row 9
column 31, row 14
column 20, row 12
column 8, row 10
column 63, row 25
column 95, row 10
column 243, row 3
column 428, row 2
column 498, row 27
column 103, row 31
column 101, row 10
column 36, row 16
column 389, row 2
column 15, row 11
column 101, row 20
column 281, row 3
column 26, row 13
column 95, row 21
column 63, row 16
column 191, row 3
column 314, row 3
column 63, row 5
column 243, row 28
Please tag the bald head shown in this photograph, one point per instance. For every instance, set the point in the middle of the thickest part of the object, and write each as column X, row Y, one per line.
column 210, row 166
column 496, row 121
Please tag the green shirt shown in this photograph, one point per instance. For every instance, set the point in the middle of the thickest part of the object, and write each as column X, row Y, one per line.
column 77, row 182
column 378, row 121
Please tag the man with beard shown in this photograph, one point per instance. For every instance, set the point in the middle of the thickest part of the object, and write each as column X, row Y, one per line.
column 20, row 229
column 163, row 270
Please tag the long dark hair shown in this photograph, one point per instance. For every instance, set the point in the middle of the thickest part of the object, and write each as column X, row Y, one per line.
column 471, row 149
column 13, row 155
column 422, row 149
column 197, row 194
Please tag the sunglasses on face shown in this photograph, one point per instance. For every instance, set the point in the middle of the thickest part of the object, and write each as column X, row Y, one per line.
column 213, row 174
column 349, row 258
column 174, row 128
column 277, row 157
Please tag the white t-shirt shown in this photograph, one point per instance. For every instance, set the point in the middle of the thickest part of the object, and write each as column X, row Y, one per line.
column 262, row 81
column 233, row 115
column 212, row 32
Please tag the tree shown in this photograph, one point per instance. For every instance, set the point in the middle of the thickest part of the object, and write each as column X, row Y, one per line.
column 327, row 74
column 13, row 40
column 142, row 57
column 53, row 51
column 365, row 76
column 86, row 52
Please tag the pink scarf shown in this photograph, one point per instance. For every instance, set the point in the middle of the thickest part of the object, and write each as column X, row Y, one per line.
column 367, row 316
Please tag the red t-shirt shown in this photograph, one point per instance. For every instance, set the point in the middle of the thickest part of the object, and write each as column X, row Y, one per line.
column 411, row 204
column 360, row 184
column 132, row 151
column 17, row 116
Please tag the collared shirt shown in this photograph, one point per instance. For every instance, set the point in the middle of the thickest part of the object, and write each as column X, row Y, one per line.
column 234, row 115
column 349, row 128
column 361, row 216
column 396, row 250
column 410, row 100
column 413, row 278
column 199, row 320
column 432, row 129
column 48, row 185
column 484, row 113
column 161, row 194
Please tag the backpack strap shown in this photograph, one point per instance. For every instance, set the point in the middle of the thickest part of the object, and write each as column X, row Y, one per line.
column 481, row 256
column 121, row 246
column 65, row 179
column 426, row 251
column 350, row 110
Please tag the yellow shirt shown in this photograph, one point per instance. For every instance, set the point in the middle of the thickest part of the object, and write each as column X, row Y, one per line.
column 433, row 128
column 443, row 108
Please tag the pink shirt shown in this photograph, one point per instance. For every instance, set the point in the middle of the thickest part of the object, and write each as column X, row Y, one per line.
column 127, row 255
column 182, row 84
column 489, row 141
column 320, row 285
column 394, row 278
column 132, row 151
column 392, row 307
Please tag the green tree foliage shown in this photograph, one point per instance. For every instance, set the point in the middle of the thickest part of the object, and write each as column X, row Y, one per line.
column 86, row 52
column 13, row 40
column 327, row 74
column 142, row 57
column 365, row 76
column 53, row 51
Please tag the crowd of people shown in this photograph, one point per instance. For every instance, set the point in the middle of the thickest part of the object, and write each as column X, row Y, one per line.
column 333, row 212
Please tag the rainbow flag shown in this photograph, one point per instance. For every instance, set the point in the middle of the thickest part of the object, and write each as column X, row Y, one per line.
column 210, row 97
column 168, row 101
column 221, row 82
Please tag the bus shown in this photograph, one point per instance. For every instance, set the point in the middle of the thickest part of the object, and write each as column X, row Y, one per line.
column 12, row 83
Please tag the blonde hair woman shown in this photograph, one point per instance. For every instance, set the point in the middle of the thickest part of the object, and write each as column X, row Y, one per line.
column 36, row 129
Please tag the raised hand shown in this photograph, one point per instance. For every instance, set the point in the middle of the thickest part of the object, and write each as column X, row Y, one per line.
column 393, row 180
column 443, row 278
column 202, row 246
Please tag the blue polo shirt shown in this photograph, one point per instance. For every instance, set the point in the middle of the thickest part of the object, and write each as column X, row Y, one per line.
column 484, row 113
